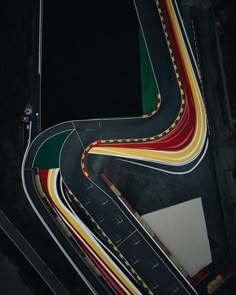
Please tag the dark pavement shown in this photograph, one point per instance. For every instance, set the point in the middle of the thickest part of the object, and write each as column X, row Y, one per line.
column 139, row 184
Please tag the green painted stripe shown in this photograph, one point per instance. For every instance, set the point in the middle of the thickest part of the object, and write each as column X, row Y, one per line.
column 47, row 156
column 148, row 83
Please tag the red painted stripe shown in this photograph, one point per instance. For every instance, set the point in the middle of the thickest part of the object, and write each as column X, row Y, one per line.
column 44, row 174
column 106, row 179
column 51, row 205
column 183, row 133
column 98, row 264
column 100, row 267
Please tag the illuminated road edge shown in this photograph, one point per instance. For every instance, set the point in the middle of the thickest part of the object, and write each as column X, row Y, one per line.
column 184, row 140
column 182, row 143
column 92, row 241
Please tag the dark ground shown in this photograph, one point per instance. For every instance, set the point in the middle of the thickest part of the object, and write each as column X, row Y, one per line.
column 226, row 26
column 90, row 62
column 16, row 54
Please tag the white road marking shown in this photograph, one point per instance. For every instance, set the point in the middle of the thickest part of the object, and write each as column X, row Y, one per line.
column 78, row 136
column 125, row 239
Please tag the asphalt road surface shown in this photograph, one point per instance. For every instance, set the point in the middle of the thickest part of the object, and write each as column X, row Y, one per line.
column 80, row 167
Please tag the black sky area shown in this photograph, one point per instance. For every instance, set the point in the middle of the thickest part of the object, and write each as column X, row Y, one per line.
column 90, row 61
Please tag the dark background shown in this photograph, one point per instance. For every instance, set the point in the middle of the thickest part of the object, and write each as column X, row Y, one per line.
column 95, row 85
column 226, row 27
column 90, row 65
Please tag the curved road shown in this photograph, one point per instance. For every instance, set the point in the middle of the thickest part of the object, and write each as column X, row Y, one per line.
column 174, row 140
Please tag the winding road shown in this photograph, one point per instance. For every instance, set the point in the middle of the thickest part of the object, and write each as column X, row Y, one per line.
column 62, row 167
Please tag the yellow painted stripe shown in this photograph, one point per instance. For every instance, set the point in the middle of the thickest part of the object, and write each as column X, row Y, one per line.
column 196, row 145
column 82, row 232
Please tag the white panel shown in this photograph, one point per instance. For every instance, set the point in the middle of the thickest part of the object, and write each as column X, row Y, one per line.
column 182, row 229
